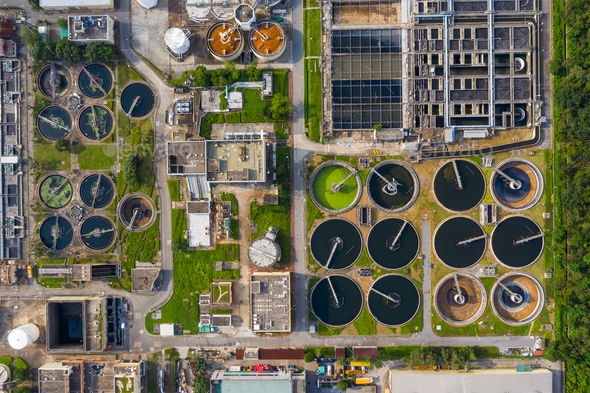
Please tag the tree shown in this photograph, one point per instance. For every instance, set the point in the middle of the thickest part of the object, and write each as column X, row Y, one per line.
column 28, row 35
column 200, row 366
column 34, row 5
column 200, row 384
column 176, row 245
column 61, row 22
column 308, row 357
column 98, row 52
column 22, row 389
column 377, row 127
column 342, row 362
column 131, row 168
column 253, row 73
column 20, row 375
column 280, row 106
column 342, row 385
column 62, row 145
column 202, row 76
column 42, row 51
column 68, row 51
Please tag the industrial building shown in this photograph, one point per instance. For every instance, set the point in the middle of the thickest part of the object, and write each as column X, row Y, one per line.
column 83, row 29
column 254, row 382
column 76, row 5
column 270, row 302
column 538, row 380
column 78, row 376
column 436, row 72
column 199, row 224
column 81, row 272
column 264, row 251
column 11, row 181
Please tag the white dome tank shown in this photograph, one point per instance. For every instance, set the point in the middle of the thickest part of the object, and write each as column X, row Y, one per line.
column 177, row 41
column 23, row 336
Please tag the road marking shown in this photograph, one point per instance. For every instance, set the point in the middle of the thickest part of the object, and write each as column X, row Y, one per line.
column 141, row 331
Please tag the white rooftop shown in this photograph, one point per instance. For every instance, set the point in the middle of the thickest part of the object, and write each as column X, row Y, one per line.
column 148, row 3
column 177, row 41
column 199, row 230
column 73, row 3
column 166, row 329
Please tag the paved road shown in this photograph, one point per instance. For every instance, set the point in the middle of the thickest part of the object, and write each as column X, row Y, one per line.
column 426, row 285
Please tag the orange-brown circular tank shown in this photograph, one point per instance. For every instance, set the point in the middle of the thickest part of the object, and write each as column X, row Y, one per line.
column 223, row 43
column 268, row 40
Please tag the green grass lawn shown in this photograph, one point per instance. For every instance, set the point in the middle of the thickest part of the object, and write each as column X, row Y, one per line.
column 141, row 246
column 50, row 159
column 364, row 260
column 416, row 324
column 312, row 211
column 312, row 32
column 324, row 330
column 174, row 189
column 324, row 180
column 365, row 324
column 313, row 99
column 95, row 157
column 193, row 273
column 363, row 174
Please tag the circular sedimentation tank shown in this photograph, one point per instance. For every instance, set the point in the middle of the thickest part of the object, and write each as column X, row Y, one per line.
column 55, row 191
column 56, row 233
column 517, row 241
column 137, row 212
column 96, row 122
column 224, row 41
column 516, row 184
column 463, row 306
column 95, row 80
column 389, row 250
column 517, row 298
column 393, row 186
column 97, row 191
column 336, row 187
column 138, row 98
column 336, row 300
column 97, row 233
column 54, row 122
column 47, row 79
column 268, row 40
column 264, row 252
column 459, row 242
column 336, row 244
column 393, row 300
column 459, row 193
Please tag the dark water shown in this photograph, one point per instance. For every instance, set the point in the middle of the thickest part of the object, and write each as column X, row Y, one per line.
column 507, row 233
column 453, row 231
column 147, row 99
column 502, row 186
column 69, row 327
column 104, row 123
column 450, row 296
column 398, row 287
column 101, row 74
column 505, row 297
column 446, row 186
column 58, row 115
column 101, row 242
column 46, row 230
column 382, row 235
column 105, row 195
column 405, row 191
column 344, row 256
column 350, row 299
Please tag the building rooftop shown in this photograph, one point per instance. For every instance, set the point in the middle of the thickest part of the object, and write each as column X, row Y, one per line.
column 270, row 302
column 275, row 382
column 481, row 381
column 143, row 279
column 89, row 28
column 186, row 157
column 74, row 3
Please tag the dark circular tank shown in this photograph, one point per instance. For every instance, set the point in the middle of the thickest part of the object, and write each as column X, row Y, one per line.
column 56, row 233
column 517, row 298
column 516, row 184
column 96, row 122
column 143, row 105
column 392, row 186
column 60, row 81
column 455, row 243
column 463, row 193
column 340, row 234
column 54, row 122
column 516, row 241
column 460, row 308
column 393, row 300
column 389, row 251
column 97, row 191
column 97, row 233
column 340, row 310
column 137, row 212
column 55, row 191
column 98, row 83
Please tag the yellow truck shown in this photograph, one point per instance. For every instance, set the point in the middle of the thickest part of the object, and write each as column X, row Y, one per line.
column 363, row 381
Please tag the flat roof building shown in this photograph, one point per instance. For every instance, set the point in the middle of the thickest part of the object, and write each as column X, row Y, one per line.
column 256, row 382
column 73, row 5
column 83, row 29
column 480, row 381
column 199, row 223
column 270, row 295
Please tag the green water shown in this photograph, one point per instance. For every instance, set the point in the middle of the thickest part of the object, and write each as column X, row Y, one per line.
column 322, row 184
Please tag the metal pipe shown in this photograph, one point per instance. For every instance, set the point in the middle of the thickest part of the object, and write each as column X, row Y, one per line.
column 457, row 175
column 515, row 297
column 459, row 298
column 334, row 247
column 514, row 184
column 384, row 295
column 333, row 292
column 466, row 241
column 399, row 233
column 527, row 239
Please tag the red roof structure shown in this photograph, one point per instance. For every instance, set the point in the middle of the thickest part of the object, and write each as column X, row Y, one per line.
column 281, row 354
column 340, row 353
column 364, row 352
column 6, row 29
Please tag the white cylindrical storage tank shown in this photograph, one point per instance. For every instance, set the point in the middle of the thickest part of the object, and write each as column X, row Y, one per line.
column 268, row 40
column 177, row 41
column 225, row 42
column 23, row 336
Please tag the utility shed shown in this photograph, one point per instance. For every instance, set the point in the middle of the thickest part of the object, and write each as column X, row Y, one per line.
column 475, row 134
column 476, row 381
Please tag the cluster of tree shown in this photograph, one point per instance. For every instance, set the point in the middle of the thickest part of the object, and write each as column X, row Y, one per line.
column 200, row 383
column 342, row 385
column 62, row 145
column 571, row 237
column 441, row 356
column 131, row 168
column 226, row 76
column 64, row 49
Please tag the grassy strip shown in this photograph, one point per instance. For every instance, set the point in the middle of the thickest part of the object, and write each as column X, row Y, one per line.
column 313, row 99
column 312, row 212
column 312, row 29
column 365, row 324
column 364, row 260
column 50, row 159
column 96, row 157
column 174, row 189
